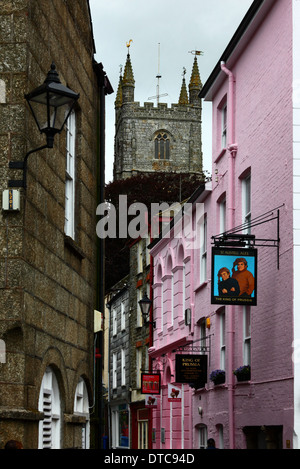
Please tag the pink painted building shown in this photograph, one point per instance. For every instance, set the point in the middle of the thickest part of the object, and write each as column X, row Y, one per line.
column 254, row 91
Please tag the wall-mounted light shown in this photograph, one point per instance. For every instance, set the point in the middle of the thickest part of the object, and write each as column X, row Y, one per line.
column 188, row 316
column 51, row 104
column 145, row 305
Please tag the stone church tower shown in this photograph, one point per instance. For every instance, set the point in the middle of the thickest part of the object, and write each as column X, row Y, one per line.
column 161, row 138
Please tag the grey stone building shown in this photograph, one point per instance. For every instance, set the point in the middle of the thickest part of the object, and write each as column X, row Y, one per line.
column 152, row 138
column 119, row 394
column 48, row 248
column 140, row 336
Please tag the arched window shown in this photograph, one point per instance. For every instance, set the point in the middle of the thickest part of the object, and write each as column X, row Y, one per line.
column 81, row 407
column 162, row 146
column 50, row 405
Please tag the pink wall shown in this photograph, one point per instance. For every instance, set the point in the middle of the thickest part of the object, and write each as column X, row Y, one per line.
column 263, row 133
column 171, row 267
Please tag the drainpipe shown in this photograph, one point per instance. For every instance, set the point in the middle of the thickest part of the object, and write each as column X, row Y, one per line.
column 231, row 151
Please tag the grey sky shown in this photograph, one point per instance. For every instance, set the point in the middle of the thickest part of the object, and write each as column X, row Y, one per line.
column 179, row 26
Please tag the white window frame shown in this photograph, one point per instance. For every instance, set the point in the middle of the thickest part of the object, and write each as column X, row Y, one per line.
column 50, row 405
column 139, row 356
column 114, row 371
column 2, row 92
column 70, row 176
column 81, row 407
column 203, row 249
column 114, row 322
column 203, row 336
column 222, row 208
column 202, row 429
column 222, row 341
column 123, row 315
column 246, row 202
column 139, row 317
column 224, row 126
column 143, row 430
column 247, row 335
column 123, row 367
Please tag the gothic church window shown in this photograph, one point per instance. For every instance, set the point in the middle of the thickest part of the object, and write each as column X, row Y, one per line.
column 162, row 146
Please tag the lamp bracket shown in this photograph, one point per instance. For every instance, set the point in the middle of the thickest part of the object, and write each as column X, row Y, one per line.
column 23, row 166
column 232, row 239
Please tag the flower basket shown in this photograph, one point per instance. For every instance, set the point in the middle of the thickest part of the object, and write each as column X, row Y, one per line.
column 217, row 377
column 243, row 373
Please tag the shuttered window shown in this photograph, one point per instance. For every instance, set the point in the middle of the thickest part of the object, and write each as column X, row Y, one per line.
column 50, row 405
column 81, row 407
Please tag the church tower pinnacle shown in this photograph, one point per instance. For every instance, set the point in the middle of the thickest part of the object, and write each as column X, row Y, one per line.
column 183, row 98
column 128, row 82
column 157, row 138
column 195, row 84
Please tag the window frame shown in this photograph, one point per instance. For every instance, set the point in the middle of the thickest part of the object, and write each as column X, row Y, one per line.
column 224, row 116
column 222, row 319
column 70, row 176
column 203, row 249
column 162, row 145
column 139, row 316
column 123, row 367
column 114, row 370
column 123, row 315
column 114, row 322
column 81, row 407
column 50, row 405
column 246, row 335
column 246, row 203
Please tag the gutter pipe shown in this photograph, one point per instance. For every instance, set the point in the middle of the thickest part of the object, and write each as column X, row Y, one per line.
column 231, row 151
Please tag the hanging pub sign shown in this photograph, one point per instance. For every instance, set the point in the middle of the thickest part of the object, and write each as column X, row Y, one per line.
column 150, row 383
column 174, row 393
column 151, row 401
column 191, row 369
column 234, row 276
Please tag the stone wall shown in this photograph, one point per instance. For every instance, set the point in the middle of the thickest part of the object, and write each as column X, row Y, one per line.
column 47, row 282
column 136, row 127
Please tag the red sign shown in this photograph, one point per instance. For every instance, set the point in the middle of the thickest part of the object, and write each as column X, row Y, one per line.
column 150, row 383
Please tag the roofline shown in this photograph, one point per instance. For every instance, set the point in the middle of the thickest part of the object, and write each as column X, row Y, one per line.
column 248, row 18
column 91, row 25
column 201, row 191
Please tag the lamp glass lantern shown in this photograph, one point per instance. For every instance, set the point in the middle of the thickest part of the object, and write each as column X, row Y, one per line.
column 51, row 104
column 145, row 304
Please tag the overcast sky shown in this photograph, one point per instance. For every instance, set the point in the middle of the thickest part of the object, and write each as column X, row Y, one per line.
column 179, row 27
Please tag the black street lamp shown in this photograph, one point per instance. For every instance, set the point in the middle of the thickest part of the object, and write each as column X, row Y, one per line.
column 145, row 305
column 51, row 104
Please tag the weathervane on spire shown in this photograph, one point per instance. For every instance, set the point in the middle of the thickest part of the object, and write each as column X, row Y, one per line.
column 196, row 52
column 128, row 44
column 158, row 76
column 184, row 71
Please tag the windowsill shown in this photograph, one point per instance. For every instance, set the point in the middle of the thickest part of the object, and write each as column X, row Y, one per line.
column 163, row 160
column 219, row 156
column 202, row 285
column 73, row 246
